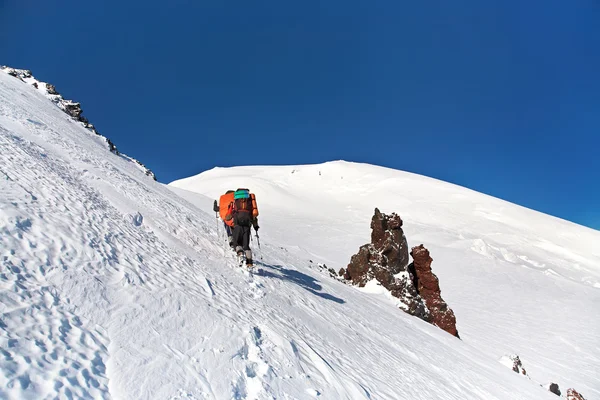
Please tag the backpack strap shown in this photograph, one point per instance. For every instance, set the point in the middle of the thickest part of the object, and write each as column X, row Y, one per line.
column 231, row 210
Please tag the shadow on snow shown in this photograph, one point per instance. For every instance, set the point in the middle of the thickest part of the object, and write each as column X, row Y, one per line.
column 307, row 282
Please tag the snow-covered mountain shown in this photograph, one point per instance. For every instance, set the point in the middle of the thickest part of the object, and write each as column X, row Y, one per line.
column 115, row 286
column 518, row 280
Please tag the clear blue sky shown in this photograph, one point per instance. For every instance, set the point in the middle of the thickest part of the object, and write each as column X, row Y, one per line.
column 500, row 96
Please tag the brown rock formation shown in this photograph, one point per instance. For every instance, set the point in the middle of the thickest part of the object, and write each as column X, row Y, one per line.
column 386, row 259
column 428, row 287
column 572, row 394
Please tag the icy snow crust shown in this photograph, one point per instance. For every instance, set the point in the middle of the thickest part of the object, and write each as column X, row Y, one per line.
column 112, row 286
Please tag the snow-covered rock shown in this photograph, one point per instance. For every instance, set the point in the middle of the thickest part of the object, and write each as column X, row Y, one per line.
column 513, row 362
column 70, row 107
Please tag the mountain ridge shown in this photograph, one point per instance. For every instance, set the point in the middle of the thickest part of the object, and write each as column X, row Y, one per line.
column 70, row 107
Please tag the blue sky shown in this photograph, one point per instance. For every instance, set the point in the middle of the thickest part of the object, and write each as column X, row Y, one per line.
column 499, row 96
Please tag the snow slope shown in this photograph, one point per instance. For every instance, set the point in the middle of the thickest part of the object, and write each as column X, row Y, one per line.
column 112, row 286
column 70, row 107
column 518, row 280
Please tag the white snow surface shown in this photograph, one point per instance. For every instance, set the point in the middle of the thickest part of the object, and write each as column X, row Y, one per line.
column 64, row 104
column 115, row 286
column 519, row 281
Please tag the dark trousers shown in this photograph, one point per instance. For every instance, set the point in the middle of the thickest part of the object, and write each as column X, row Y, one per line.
column 241, row 240
column 241, row 237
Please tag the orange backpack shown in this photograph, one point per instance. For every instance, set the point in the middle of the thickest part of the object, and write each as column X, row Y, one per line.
column 224, row 203
column 247, row 205
column 254, row 206
column 241, row 197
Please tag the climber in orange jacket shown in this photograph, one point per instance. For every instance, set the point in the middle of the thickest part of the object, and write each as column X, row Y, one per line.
column 224, row 203
column 244, row 214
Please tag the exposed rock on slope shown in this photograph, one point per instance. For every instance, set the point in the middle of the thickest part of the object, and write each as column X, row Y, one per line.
column 514, row 362
column 70, row 107
column 572, row 394
column 386, row 260
column 428, row 287
column 553, row 387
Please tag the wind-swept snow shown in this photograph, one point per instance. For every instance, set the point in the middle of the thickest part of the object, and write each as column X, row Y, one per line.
column 112, row 286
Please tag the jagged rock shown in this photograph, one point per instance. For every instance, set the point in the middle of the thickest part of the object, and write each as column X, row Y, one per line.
column 572, row 394
column 344, row 274
column 386, row 259
column 386, row 255
column 73, row 109
column 35, row 85
column 51, row 89
column 428, row 288
column 514, row 362
column 17, row 73
column 112, row 147
column 553, row 387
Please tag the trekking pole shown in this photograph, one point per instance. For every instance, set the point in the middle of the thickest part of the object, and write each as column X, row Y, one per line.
column 218, row 229
column 217, row 222
column 258, row 241
column 216, row 210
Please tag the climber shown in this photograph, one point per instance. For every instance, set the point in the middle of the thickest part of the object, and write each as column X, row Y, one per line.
column 224, row 202
column 244, row 214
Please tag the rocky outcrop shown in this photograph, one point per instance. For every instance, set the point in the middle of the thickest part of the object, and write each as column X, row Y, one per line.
column 72, row 108
column 386, row 255
column 553, row 387
column 386, row 260
column 12, row 72
column 572, row 394
column 428, row 287
column 514, row 362
column 51, row 89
